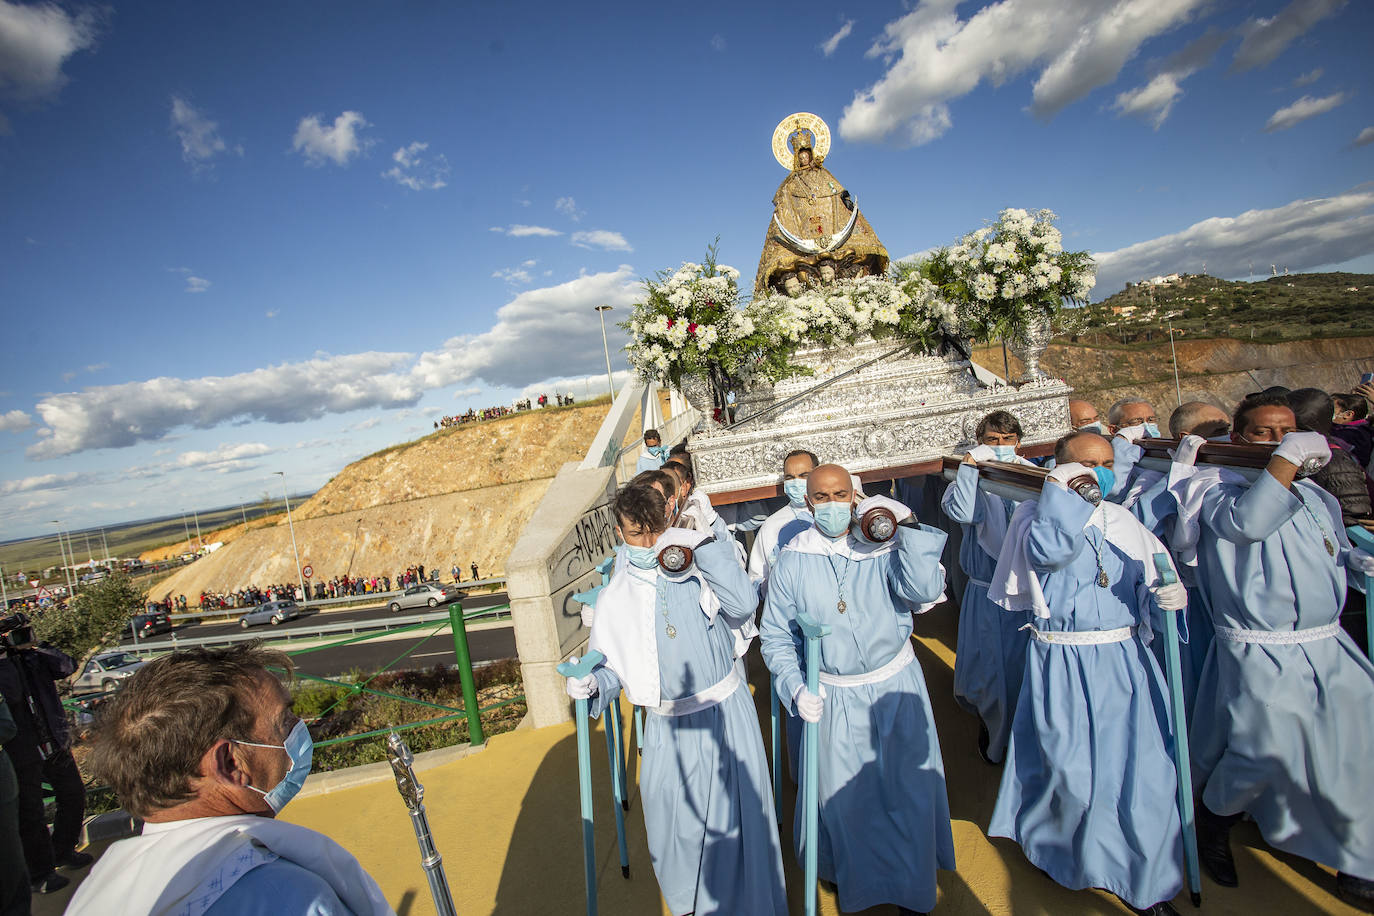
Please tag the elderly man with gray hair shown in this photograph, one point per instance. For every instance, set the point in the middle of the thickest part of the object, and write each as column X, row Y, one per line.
column 203, row 746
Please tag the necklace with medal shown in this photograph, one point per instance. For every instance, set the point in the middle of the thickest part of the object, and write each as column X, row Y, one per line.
column 668, row 625
column 1102, row 580
column 1326, row 540
column 840, row 579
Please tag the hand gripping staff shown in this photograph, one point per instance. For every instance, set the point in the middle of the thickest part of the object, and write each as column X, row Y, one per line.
column 811, row 794
column 1167, row 576
column 414, row 794
column 575, row 668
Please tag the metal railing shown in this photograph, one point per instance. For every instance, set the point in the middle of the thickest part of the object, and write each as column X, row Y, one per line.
column 365, row 598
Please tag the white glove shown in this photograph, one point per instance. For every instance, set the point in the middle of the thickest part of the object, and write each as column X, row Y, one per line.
column 1170, row 597
column 1298, row 447
column 809, row 705
column 1186, row 453
column 582, row 688
column 1132, row 433
column 982, row 453
column 1360, row 561
column 1063, row 473
column 900, row 511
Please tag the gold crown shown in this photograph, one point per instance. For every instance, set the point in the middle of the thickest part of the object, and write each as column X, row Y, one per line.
column 801, row 139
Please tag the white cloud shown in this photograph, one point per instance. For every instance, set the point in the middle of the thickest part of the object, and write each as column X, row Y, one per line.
column 1299, row 235
column 1153, row 101
column 96, row 367
column 197, row 284
column 604, row 239
column 199, row 136
column 272, row 313
column 933, row 56
column 364, row 424
column 415, row 171
column 339, row 143
column 519, row 231
column 1266, row 39
column 44, row 482
column 593, row 384
column 540, row 332
column 1307, row 79
column 830, row 44
column 225, row 455
column 1304, row 108
column 1365, row 137
column 516, row 276
column 14, row 421
column 467, row 392
column 35, row 42
column 718, row 43
column 568, row 207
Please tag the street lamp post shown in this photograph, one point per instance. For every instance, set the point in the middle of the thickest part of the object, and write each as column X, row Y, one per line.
column 199, row 540
column 1178, row 389
column 610, row 380
column 287, row 499
column 62, row 549
column 186, row 527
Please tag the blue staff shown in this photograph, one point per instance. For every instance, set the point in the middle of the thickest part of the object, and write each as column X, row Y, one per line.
column 574, row 668
column 610, row 723
column 1365, row 541
column 777, row 748
column 811, row 789
column 1167, row 576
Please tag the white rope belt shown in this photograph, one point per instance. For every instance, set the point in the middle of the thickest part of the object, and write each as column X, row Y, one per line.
column 1081, row 637
column 1278, row 637
column 709, row 697
column 981, row 583
column 904, row 657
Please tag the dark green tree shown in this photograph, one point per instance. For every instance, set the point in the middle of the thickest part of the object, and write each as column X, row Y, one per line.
column 95, row 618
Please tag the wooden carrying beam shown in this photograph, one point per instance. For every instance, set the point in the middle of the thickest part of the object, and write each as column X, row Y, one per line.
column 1246, row 459
column 1002, row 478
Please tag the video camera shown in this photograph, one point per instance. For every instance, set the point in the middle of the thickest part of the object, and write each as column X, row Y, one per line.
column 15, row 631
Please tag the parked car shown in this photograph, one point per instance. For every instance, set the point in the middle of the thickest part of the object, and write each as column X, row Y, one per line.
column 107, row 671
column 273, row 612
column 146, row 625
column 427, row 594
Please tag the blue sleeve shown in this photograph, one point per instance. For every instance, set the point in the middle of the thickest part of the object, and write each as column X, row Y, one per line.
column 1156, row 506
column 280, row 887
column 1249, row 516
column 1124, row 457
column 607, row 689
column 780, row 638
column 1055, row 535
column 718, row 564
column 961, row 502
column 914, row 574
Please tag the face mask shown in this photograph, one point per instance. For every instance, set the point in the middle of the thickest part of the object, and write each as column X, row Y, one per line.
column 796, row 491
column 658, row 451
column 641, row 557
column 833, row 518
column 1004, row 452
column 1152, row 430
column 1093, row 428
column 301, row 750
column 1224, row 437
column 1105, row 479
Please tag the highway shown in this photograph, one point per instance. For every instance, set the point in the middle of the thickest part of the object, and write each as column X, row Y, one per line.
column 486, row 641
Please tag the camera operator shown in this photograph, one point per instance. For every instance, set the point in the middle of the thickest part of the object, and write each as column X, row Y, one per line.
column 40, row 750
column 14, row 877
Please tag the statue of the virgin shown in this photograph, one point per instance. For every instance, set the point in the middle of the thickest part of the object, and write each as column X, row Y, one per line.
column 817, row 232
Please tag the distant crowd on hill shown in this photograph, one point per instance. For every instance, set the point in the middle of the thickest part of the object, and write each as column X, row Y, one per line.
column 343, row 586
column 492, row 413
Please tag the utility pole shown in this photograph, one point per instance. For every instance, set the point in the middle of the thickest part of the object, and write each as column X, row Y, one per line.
column 106, row 545
column 610, row 380
column 67, row 575
column 186, row 528
column 287, row 499
column 244, row 513
column 199, row 540
column 1178, row 390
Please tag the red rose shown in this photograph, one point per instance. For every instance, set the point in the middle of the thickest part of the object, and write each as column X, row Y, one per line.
column 671, row 322
column 692, row 327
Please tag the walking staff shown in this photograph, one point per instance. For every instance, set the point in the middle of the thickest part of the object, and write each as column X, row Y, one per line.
column 1173, row 670
column 811, row 801
column 414, row 794
column 575, row 668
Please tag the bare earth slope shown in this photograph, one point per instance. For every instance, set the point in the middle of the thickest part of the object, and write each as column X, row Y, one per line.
column 458, row 496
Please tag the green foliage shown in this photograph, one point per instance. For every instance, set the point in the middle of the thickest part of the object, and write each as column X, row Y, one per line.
column 96, row 617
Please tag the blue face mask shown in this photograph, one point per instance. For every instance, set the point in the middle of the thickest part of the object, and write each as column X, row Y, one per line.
column 1105, row 479
column 1224, row 437
column 833, row 518
column 1004, row 452
column 1152, row 430
column 1093, row 428
column 796, row 491
column 301, row 750
column 659, row 451
column 641, row 557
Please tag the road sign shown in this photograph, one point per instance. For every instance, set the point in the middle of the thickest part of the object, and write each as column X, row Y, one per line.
column 307, row 570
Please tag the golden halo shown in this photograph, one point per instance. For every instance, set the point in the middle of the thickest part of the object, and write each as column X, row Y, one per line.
column 789, row 125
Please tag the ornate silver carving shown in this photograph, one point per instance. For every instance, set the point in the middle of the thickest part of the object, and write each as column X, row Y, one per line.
column 1030, row 344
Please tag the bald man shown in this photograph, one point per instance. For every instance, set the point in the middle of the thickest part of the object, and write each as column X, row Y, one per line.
column 1083, row 415
column 884, row 814
column 1198, row 418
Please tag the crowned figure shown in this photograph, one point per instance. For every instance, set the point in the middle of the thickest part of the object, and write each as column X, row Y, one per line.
column 817, row 232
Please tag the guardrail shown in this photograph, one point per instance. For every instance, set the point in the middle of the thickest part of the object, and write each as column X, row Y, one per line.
column 377, row 626
column 366, row 598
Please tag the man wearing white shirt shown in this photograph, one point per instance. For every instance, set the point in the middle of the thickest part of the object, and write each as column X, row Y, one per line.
column 203, row 746
column 788, row 522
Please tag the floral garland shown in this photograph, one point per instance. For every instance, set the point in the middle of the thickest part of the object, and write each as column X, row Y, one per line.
column 1010, row 276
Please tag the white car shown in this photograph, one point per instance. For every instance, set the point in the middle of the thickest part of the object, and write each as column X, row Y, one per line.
column 107, row 671
column 427, row 594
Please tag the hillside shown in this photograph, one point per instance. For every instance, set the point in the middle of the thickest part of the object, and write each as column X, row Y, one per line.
column 1277, row 308
column 460, row 495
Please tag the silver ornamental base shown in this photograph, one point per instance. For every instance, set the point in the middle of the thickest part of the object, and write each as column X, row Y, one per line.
column 1029, row 345
column 902, row 410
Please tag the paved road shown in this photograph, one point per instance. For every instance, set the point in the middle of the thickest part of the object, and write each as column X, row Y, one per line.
column 484, row 645
column 312, row 618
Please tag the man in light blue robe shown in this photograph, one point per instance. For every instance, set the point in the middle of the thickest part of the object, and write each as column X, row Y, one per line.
column 884, row 813
column 990, row 655
column 1283, row 729
column 1089, row 784
column 707, row 798
column 1131, row 419
column 654, row 453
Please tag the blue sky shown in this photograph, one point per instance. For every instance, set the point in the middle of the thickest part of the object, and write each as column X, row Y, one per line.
column 245, row 238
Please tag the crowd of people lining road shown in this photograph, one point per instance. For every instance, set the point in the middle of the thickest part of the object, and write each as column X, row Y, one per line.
column 492, row 413
column 1061, row 635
